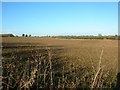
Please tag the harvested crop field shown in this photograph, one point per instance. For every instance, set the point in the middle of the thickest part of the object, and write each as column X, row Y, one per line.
column 35, row 62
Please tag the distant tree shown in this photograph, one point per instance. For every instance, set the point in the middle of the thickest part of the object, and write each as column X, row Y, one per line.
column 26, row 35
column 11, row 35
column 23, row 35
column 116, row 35
column 30, row 35
column 99, row 34
column 7, row 35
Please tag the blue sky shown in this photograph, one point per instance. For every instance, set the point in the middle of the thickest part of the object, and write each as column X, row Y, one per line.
column 60, row 18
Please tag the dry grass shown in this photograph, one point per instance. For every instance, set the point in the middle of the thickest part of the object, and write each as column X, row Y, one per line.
column 80, row 64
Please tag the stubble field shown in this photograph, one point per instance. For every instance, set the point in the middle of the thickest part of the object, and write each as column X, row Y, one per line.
column 34, row 62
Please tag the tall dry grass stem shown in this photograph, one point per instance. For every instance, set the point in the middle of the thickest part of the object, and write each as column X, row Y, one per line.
column 98, row 72
column 63, row 79
column 50, row 62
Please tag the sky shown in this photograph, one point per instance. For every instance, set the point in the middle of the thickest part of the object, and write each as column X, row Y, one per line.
column 60, row 18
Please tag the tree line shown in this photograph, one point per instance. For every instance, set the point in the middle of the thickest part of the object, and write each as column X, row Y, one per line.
column 26, row 35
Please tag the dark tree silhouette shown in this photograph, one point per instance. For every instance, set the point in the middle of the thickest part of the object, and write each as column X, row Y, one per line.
column 23, row 35
column 26, row 35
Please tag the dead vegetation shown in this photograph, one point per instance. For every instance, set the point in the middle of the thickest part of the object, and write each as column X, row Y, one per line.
column 81, row 64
